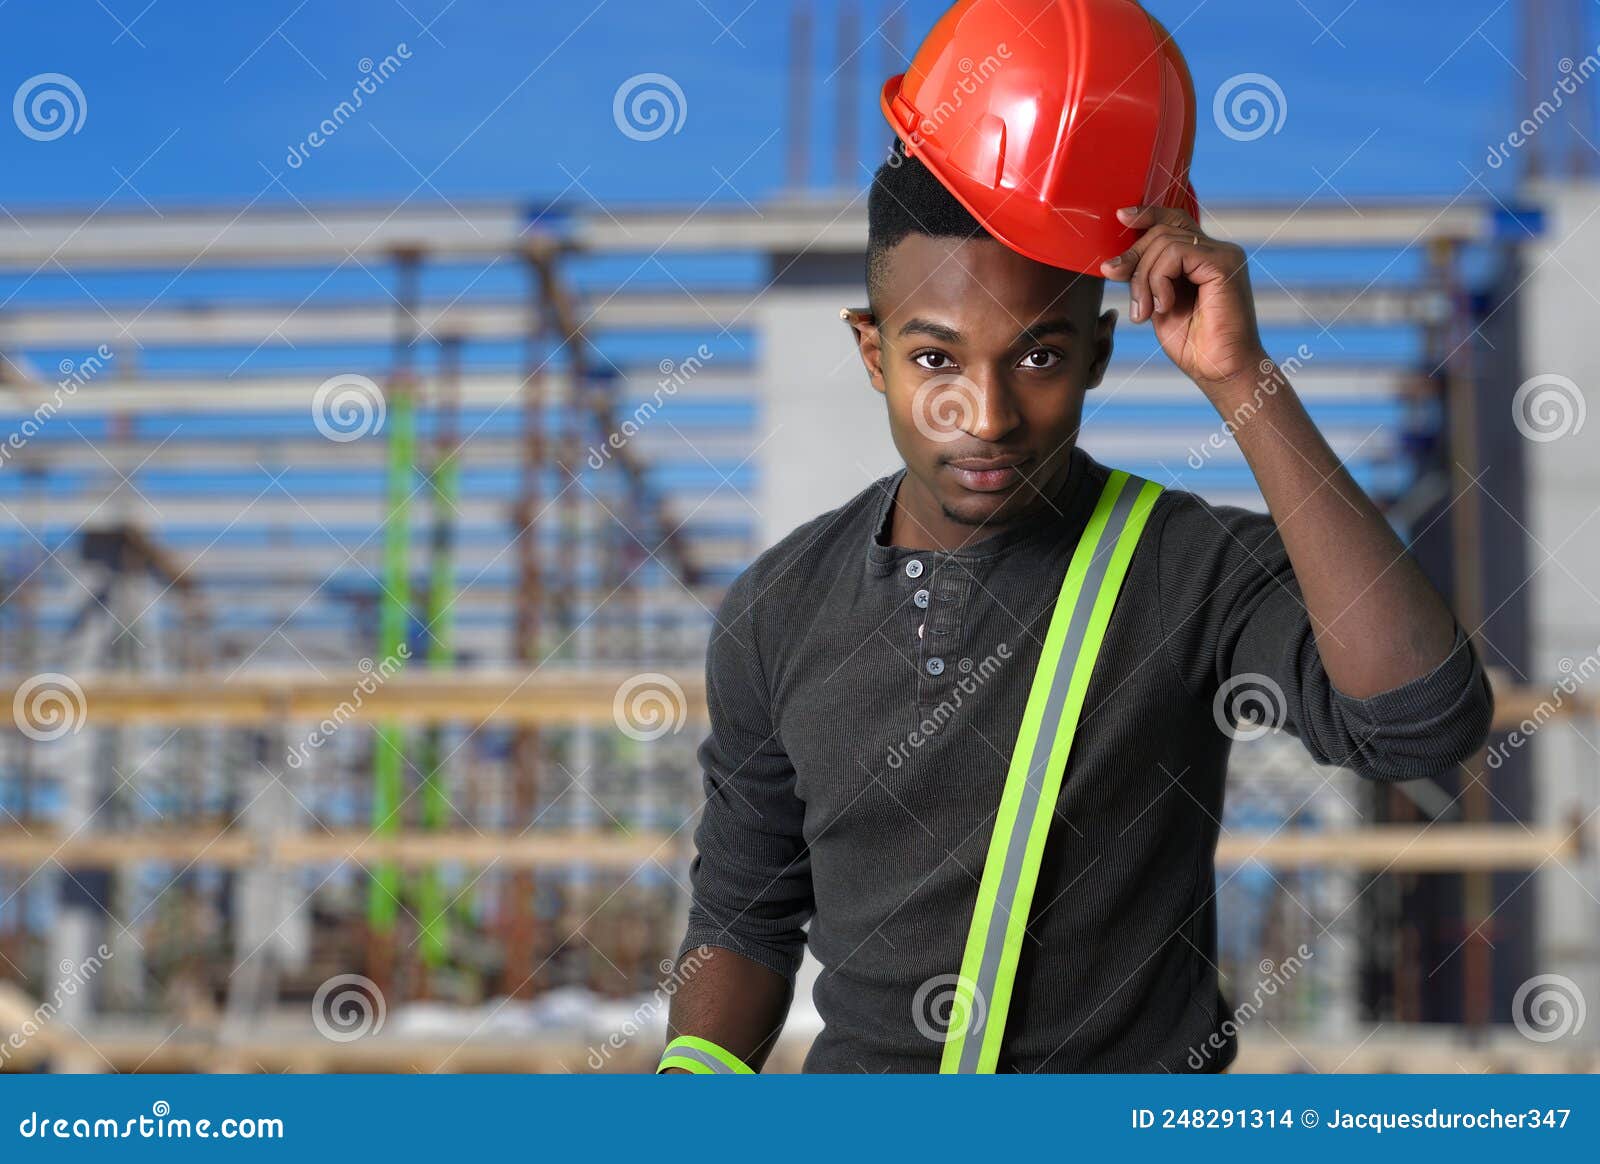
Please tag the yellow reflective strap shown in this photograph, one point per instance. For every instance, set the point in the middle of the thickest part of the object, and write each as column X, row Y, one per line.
column 1038, row 765
column 701, row 1057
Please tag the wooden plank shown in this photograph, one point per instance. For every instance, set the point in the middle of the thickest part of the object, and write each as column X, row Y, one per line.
column 1404, row 848
column 231, row 849
column 548, row 695
column 1396, row 848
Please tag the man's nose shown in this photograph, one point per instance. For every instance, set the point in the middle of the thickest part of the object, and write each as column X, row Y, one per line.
column 995, row 413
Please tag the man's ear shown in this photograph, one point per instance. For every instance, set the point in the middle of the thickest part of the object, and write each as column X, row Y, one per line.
column 1104, row 329
column 864, row 329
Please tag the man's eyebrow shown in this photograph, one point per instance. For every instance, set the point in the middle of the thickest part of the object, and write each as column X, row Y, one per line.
column 1059, row 325
column 1034, row 333
column 939, row 331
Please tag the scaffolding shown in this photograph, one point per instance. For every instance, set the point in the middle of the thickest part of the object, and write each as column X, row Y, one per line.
column 465, row 816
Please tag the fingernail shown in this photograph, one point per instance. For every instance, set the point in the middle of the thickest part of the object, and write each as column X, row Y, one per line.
column 1156, row 303
column 1129, row 210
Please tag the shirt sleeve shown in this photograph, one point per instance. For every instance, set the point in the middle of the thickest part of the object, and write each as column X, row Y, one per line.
column 751, row 874
column 1237, row 628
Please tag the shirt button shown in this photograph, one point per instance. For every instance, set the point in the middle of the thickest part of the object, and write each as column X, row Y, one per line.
column 913, row 569
column 935, row 666
column 921, row 599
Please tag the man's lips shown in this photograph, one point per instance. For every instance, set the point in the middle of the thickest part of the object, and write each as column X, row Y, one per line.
column 988, row 474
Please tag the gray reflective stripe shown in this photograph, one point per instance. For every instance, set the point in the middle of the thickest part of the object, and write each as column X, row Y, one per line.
column 988, row 976
column 718, row 1067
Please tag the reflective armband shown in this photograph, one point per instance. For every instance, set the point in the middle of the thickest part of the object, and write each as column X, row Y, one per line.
column 701, row 1057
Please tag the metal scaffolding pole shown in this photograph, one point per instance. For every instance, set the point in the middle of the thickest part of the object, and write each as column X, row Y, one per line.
column 444, row 482
column 1456, row 355
column 517, row 920
column 573, row 633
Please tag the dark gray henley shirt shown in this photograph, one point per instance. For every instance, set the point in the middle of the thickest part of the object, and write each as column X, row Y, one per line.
column 864, row 700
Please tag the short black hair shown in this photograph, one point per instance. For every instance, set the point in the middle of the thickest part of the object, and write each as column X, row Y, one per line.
column 907, row 199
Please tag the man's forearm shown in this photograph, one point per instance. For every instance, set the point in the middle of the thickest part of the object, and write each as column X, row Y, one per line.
column 1379, row 623
column 738, row 1004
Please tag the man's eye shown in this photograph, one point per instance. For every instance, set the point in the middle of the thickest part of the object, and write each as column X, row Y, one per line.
column 933, row 361
column 1041, row 358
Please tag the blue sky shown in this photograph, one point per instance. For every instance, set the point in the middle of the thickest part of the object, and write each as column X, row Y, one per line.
column 199, row 102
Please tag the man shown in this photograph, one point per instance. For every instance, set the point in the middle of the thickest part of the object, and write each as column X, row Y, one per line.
column 868, row 674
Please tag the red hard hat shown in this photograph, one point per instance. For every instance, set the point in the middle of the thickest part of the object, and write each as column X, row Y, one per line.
column 1043, row 117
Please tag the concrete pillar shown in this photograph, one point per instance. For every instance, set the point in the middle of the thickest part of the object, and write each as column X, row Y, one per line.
column 1559, row 412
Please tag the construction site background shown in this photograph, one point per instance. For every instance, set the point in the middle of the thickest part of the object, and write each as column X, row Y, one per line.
column 357, row 557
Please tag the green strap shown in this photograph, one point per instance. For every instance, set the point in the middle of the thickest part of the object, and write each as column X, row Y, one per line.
column 1038, row 764
column 701, row 1057
column 394, row 614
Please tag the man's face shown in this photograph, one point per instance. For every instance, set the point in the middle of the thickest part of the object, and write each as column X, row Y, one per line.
column 984, row 357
